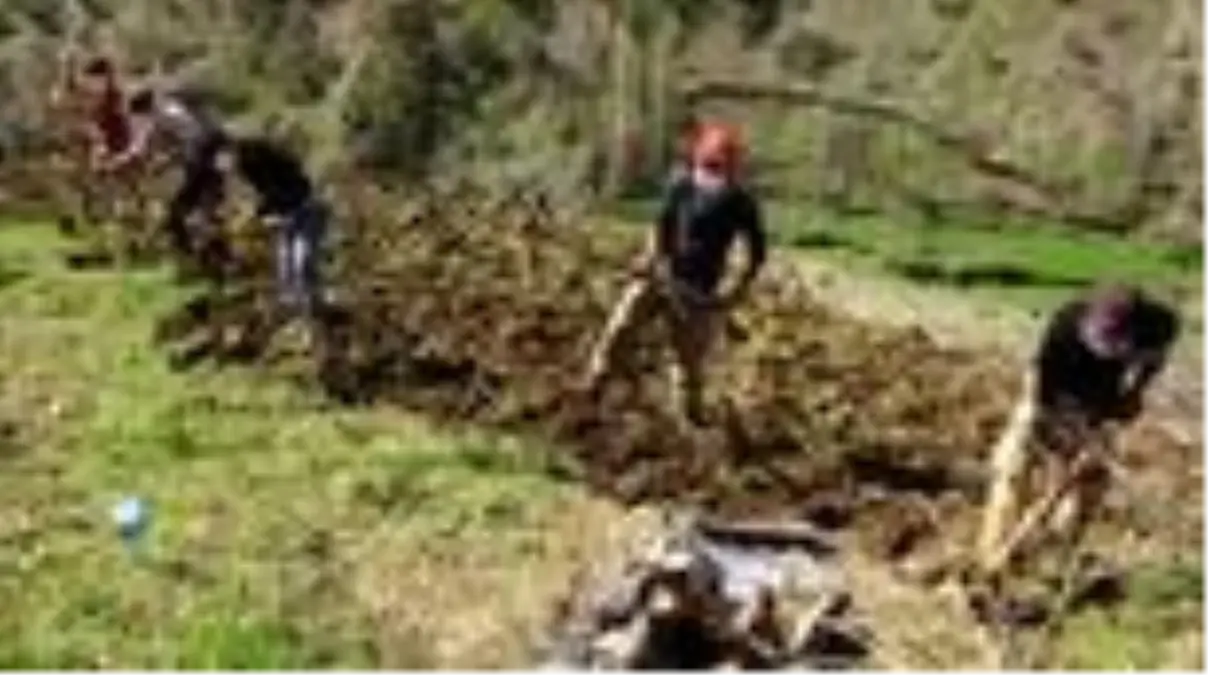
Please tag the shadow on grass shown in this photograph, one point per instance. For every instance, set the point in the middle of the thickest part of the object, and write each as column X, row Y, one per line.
column 819, row 239
column 825, row 240
column 980, row 274
column 1186, row 257
column 10, row 276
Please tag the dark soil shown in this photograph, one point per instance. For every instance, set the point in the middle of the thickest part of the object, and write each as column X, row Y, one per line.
column 482, row 311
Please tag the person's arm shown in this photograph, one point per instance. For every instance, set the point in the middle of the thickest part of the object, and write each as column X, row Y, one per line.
column 751, row 229
column 1056, row 362
column 1148, row 363
column 98, row 152
column 142, row 130
column 1147, row 368
column 660, row 244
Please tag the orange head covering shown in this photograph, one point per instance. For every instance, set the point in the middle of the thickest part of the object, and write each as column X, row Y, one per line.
column 718, row 145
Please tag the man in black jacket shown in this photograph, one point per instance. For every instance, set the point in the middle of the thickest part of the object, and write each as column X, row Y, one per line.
column 1097, row 357
column 704, row 212
column 287, row 197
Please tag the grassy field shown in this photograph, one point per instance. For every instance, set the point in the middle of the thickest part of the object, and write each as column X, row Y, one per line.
column 1024, row 265
column 285, row 534
column 288, row 533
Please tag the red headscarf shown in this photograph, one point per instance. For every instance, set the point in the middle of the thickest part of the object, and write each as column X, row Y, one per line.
column 717, row 144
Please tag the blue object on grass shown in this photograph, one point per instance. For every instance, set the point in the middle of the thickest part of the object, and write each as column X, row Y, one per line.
column 131, row 516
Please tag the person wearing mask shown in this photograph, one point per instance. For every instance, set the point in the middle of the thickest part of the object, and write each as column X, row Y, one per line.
column 704, row 212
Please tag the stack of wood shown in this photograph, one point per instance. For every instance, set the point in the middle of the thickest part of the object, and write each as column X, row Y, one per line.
column 713, row 596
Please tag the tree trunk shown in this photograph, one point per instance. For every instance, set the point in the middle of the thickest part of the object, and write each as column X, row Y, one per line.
column 659, row 122
column 620, row 111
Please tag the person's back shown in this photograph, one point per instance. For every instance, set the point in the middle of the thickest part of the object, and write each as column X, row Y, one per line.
column 1093, row 343
column 186, row 122
column 104, row 105
column 276, row 174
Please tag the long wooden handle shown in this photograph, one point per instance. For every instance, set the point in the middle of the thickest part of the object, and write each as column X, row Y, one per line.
column 1036, row 515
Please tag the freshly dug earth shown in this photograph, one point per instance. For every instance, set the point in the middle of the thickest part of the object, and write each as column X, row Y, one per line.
column 485, row 310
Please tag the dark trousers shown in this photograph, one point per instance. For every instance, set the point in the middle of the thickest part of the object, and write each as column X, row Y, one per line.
column 202, row 190
column 693, row 330
column 298, row 248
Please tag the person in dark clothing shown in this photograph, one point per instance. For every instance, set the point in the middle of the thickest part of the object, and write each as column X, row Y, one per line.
column 1097, row 357
column 704, row 213
column 274, row 173
column 196, row 138
column 287, row 195
column 1099, row 354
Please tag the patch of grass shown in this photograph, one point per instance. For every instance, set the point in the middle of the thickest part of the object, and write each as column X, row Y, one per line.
column 1027, row 264
column 281, row 525
column 1044, row 252
column 1159, row 624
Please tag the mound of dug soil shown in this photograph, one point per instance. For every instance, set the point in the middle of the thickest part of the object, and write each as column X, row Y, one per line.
column 485, row 311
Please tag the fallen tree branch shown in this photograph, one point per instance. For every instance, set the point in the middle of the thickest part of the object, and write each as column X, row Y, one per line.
column 881, row 110
column 1040, row 196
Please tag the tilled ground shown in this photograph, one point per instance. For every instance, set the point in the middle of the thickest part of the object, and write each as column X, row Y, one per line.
column 484, row 311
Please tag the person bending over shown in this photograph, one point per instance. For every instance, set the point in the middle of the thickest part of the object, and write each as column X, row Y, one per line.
column 1098, row 355
column 194, row 138
column 287, row 199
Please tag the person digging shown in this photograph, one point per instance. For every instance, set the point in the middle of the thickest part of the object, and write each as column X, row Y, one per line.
column 1097, row 357
column 677, row 277
column 288, row 202
column 194, row 137
column 96, row 90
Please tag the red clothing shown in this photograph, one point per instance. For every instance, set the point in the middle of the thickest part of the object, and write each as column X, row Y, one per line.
column 110, row 119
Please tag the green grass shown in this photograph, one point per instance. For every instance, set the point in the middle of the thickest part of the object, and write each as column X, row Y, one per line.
column 291, row 534
column 1030, row 265
column 283, row 530
column 1155, row 628
column 1027, row 265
